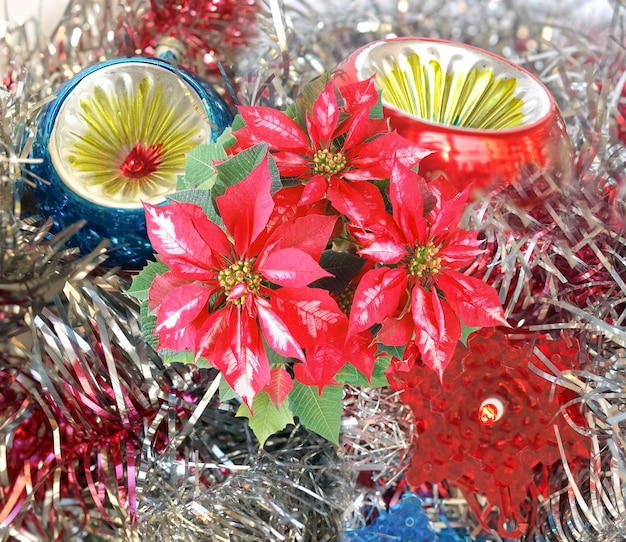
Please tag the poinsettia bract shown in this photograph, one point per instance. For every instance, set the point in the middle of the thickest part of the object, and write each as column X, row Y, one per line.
column 340, row 142
column 219, row 297
column 416, row 291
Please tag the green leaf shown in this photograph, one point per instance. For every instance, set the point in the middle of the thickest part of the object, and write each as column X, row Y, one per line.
column 267, row 419
column 226, row 392
column 226, row 138
column 141, row 281
column 393, row 351
column 350, row 375
column 169, row 357
column 342, row 265
column 237, row 168
column 199, row 168
column 319, row 413
column 466, row 331
column 148, row 322
column 310, row 93
column 376, row 112
column 237, row 124
column 275, row 358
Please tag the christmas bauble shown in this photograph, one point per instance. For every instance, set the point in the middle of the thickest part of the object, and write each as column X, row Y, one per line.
column 115, row 136
column 487, row 120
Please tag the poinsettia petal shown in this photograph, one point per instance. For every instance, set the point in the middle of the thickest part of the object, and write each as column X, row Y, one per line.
column 190, row 271
column 274, row 127
column 161, row 286
column 376, row 297
column 279, row 386
column 476, row 303
column 314, row 190
column 379, row 155
column 407, row 202
column 210, row 232
column 174, row 237
column 361, row 202
column 460, row 249
column 325, row 114
column 384, row 250
column 449, row 214
column 438, row 329
column 396, row 331
column 360, row 94
column 361, row 352
column 323, row 361
column 358, row 130
column 405, row 151
column 291, row 164
column 207, row 337
column 276, row 333
column 411, row 355
column 313, row 133
column 310, row 233
column 244, row 365
column 311, row 314
column 285, row 206
column 246, row 138
column 291, row 267
column 176, row 313
column 237, row 291
column 246, row 206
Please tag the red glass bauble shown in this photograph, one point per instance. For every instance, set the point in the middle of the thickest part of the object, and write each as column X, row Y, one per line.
column 489, row 121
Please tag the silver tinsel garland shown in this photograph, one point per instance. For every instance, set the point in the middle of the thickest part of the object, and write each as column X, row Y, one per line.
column 191, row 466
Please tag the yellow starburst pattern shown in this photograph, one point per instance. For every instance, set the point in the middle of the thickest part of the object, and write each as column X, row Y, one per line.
column 475, row 98
column 135, row 134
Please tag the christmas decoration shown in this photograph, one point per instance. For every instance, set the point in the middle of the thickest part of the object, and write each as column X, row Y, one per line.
column 488, row 426
column 239, row 281
column 210, row 31
column 117, row 135
column 553, row 250
column 406, row 521
column 485, row 119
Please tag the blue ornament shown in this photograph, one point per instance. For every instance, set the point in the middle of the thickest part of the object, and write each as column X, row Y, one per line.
column 405, row 522
column 116, row 135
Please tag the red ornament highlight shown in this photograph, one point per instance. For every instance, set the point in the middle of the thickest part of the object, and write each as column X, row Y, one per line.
column 211, row 30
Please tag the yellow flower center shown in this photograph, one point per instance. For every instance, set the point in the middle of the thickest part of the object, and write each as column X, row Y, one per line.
column 344, row 298
column 328, row 163
column 239, row 274
column 424, row 261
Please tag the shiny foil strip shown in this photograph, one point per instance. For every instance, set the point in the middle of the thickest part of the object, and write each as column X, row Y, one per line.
column 126, row 449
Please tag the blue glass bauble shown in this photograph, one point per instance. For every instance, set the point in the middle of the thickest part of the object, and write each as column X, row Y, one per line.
column 116, row 135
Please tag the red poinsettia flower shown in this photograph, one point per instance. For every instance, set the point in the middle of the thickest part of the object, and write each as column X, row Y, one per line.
column 341, row 142
column 227, row 293
column 416, row 292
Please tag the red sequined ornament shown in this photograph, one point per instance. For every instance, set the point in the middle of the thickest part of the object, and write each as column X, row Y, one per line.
column 209, row 29
column 491, row 421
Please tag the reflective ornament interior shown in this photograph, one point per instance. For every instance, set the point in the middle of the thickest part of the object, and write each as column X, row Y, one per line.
column 488, row 121
column 117, row 136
